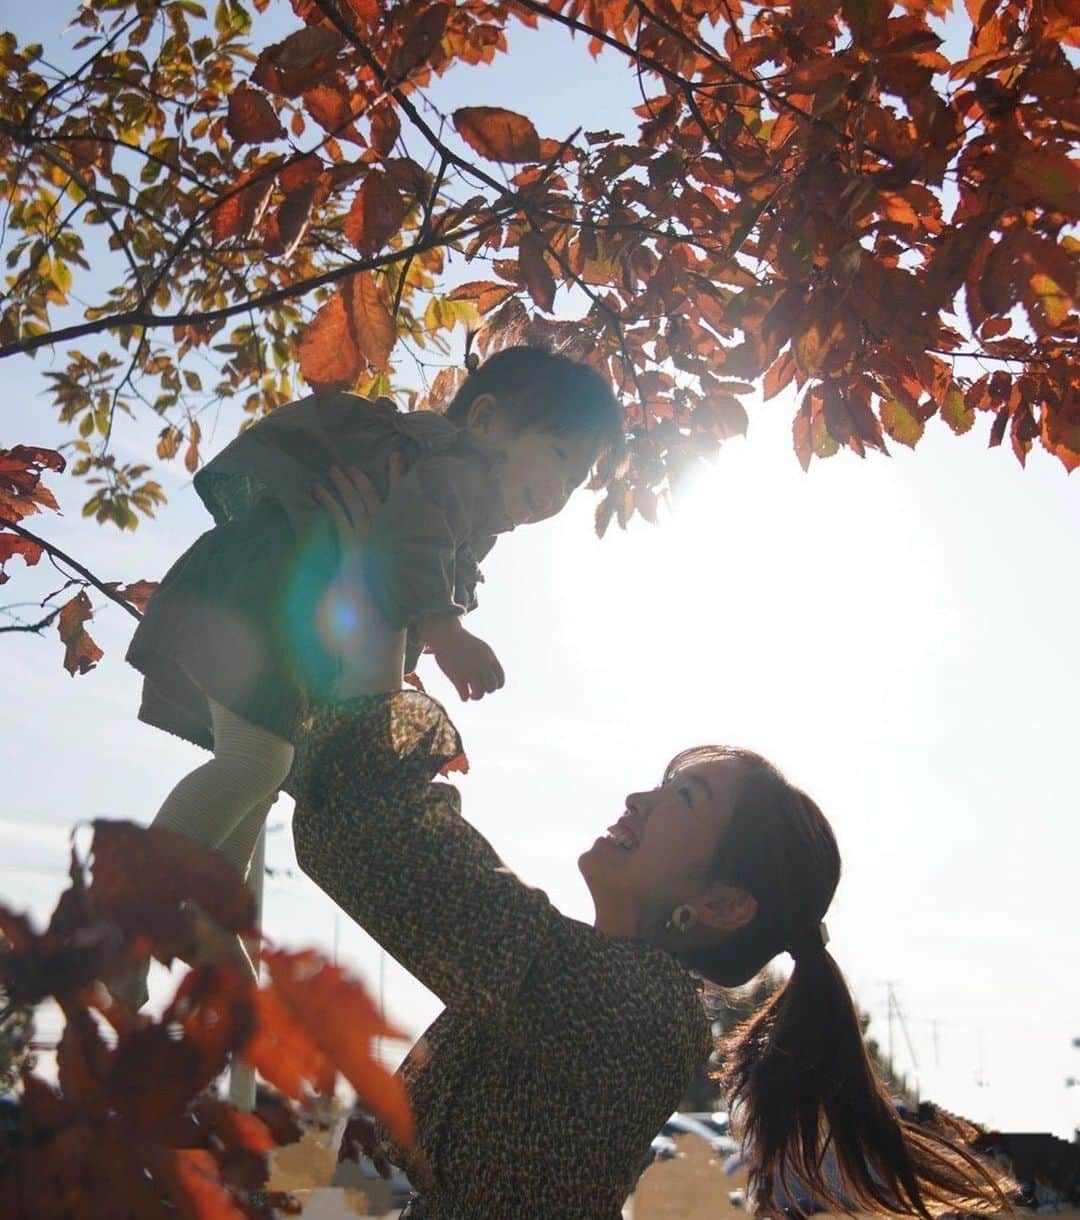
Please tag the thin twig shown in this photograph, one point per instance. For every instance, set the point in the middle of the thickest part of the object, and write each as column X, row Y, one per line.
column 35, row 628
column 57, row 554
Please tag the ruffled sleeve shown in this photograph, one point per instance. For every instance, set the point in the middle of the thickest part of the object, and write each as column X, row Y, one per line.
column 385, row 840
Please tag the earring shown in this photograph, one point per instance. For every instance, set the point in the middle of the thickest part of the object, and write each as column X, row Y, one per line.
column 682, row 919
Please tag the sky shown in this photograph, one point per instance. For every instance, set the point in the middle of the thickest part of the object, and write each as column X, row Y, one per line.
column 897, row 634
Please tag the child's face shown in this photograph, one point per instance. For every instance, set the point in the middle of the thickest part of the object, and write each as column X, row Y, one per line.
column 537, row 470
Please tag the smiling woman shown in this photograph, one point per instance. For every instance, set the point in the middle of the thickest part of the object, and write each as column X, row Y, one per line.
column 563, row 1047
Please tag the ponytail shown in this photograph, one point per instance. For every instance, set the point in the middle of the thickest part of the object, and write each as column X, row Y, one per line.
column 818, row 1120
column 815, row 1116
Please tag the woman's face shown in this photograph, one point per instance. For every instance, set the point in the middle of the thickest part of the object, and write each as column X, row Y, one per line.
column 659, row 854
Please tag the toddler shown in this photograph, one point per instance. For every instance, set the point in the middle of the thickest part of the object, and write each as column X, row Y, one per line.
column 233, row 646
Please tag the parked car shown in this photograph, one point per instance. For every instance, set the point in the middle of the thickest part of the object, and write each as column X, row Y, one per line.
column 662, row 1148
column 688, row 1124
column 716, row 1120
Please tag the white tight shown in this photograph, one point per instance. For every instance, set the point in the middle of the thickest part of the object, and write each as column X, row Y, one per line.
column 224, row 803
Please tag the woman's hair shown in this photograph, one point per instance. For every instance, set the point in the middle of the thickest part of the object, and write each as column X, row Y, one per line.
column 539, row 389
column 798, row 1071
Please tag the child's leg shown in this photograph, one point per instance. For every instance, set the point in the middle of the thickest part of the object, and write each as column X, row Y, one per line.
column 249, row 766
column 240, row 845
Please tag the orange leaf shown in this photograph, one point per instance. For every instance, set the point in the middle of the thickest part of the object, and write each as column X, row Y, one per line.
column 21, row 492
column 81, row 654
column 501, row 135
column 141, row 875
column 138, row 593
column 290, row 67
column 353, row 330
column 298, row 173
column 535, row 271
column 385, row 129
column 376, row 213
column 11, row 545
column 293, row 218
column 330, row 104
column 193, row 1180
column 343, row 1021
column 252, row 120
column 241, row 208
column 1060, row 434
column 283, row 1051
column 191, row 457
column 486, row 293
column 421, row 36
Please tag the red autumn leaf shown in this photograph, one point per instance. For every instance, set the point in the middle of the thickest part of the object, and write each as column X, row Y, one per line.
column 141, row 875
column 535, row 272
column 12, row 544
column 159, row 1068
column 352, row 331
column 330, row 104
column 191, row 455
column 252, row 120
column 376, row 214
column 81, row 654
column 21, row 492
column 385, row 129
column 500, row 135
column 241, row 207
column 443, row 388
column 301, row 172
column 290, row 223
column 194, row 1185
column 83, row 1063
column 487, row 294
column 344, row 1023
column 138, row 593
column 997, row 428
column 421, row 36
column 284, row 1052
column 1060, row 434
column 293, row 66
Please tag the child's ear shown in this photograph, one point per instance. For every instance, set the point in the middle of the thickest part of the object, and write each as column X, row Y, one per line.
column 483, row 415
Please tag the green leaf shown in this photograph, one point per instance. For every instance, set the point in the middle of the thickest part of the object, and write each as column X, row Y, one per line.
column 956, row 413
column 900, row 424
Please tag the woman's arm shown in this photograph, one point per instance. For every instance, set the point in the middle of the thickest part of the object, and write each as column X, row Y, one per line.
column 382, row 839
column 388, row 845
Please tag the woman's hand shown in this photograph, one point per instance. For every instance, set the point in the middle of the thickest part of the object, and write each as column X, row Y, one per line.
column 350, row 500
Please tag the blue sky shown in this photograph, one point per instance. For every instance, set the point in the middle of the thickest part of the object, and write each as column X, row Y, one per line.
column 898, row 635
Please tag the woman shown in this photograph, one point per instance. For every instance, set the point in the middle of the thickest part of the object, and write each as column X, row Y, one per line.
column 564, row 1047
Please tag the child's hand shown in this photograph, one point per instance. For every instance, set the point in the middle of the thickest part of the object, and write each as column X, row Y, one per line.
column 467, row 661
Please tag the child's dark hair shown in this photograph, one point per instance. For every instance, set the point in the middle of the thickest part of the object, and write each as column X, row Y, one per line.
column 798, row 1073
column 542, row 390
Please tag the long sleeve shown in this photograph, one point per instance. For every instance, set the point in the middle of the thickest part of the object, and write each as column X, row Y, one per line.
column 420, row 537
column 388, row 844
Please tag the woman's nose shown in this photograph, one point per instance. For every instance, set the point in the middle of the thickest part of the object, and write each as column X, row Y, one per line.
column 637, row 802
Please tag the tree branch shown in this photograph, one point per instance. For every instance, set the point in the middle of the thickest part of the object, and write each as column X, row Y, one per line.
column 140, row 317
column 57, row 554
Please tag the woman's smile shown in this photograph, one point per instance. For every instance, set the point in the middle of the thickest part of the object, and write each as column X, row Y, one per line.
column 622, row 834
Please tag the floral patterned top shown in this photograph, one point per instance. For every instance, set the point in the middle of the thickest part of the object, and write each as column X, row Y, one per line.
column 561, row 1050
